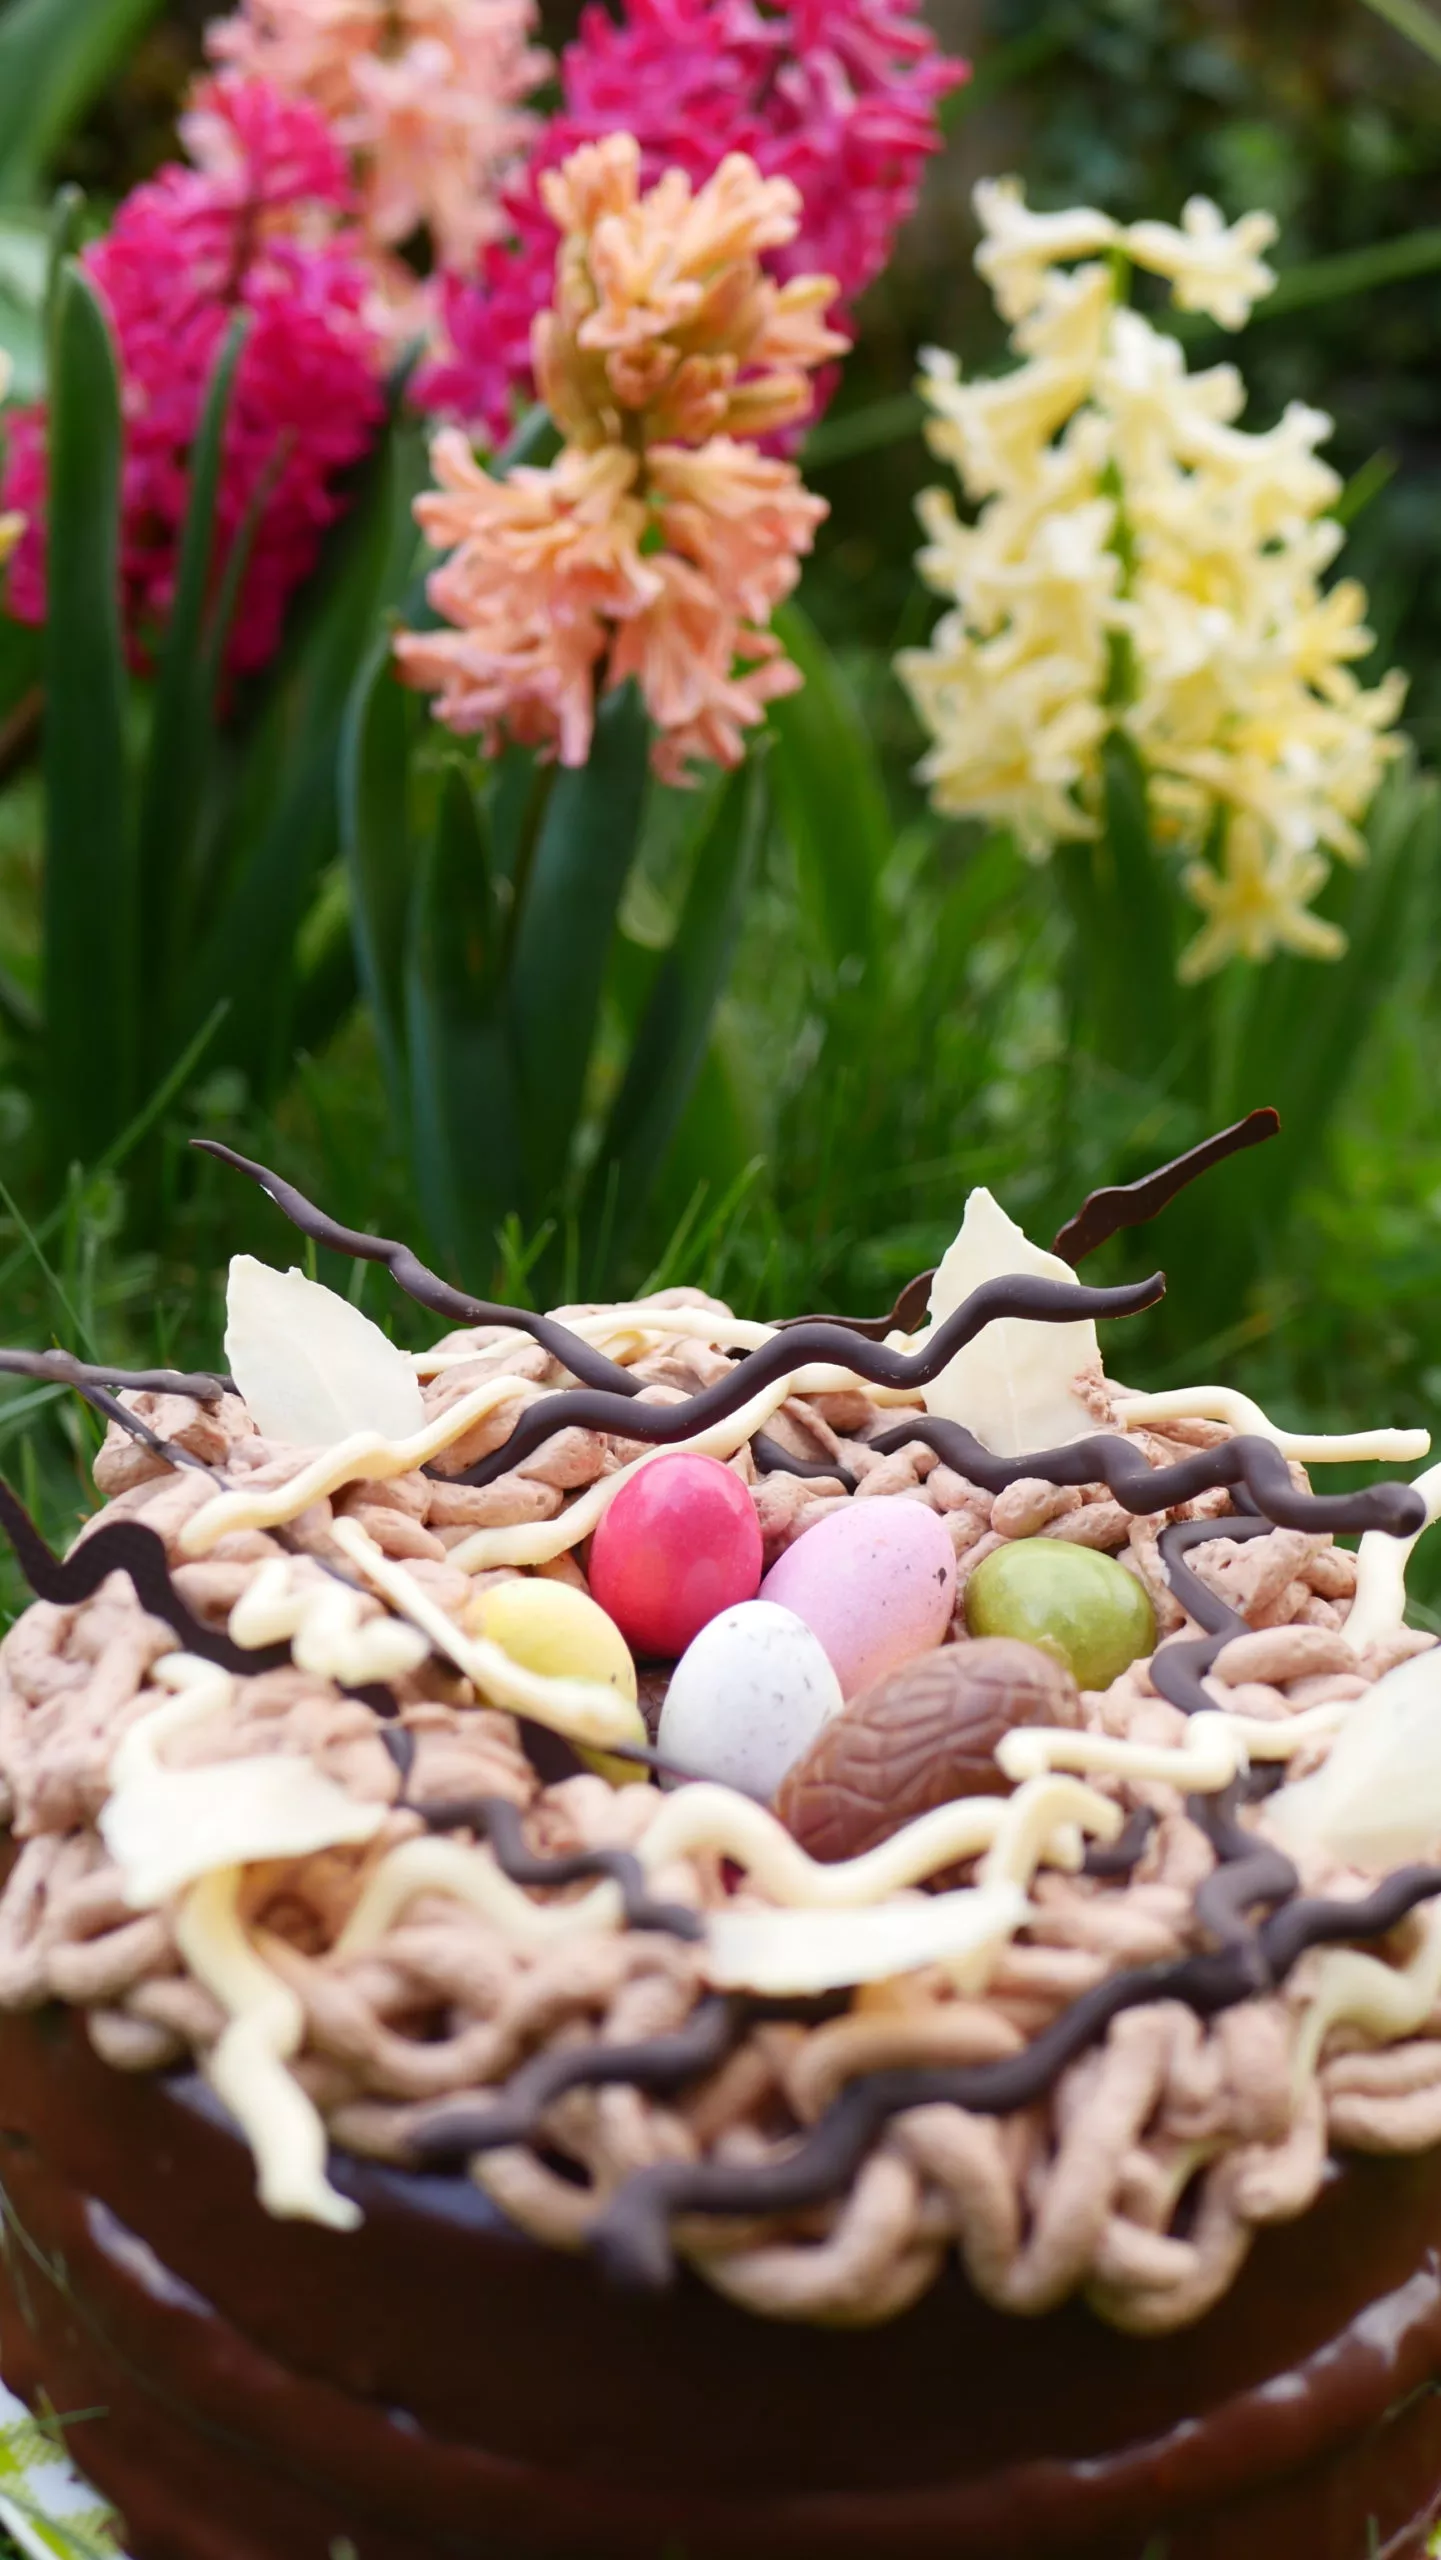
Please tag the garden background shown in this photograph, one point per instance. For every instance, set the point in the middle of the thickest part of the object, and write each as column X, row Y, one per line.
column 880, row 1006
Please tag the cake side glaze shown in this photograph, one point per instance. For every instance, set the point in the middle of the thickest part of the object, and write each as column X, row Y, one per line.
column 677, row 2415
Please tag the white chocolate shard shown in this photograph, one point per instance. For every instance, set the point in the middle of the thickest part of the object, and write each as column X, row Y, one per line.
column 170, row 1828
column 1376, row 1804
column 1239, row 1413
column 311, row 1367
column 1014, row 1386
column 799, row 1952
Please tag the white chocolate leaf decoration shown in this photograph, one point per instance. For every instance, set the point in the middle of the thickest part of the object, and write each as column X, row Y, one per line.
column 169, row 1827
column 1377, row 1802
column 783, row 1952
column 1013, row 1386
column 311, row 1367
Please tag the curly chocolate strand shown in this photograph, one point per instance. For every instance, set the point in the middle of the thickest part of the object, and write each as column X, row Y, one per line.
column 498, row 1821
column 426, row 1287
column 1131, row 1204
column 1037, row 1301
column 124, row 1546
column 457, row 2127
column 1109, row 1458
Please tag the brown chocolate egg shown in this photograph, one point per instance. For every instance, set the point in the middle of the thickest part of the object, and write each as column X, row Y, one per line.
column 923, row 1736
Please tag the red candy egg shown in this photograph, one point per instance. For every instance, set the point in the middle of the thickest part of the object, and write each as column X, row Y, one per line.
column 678, row 1544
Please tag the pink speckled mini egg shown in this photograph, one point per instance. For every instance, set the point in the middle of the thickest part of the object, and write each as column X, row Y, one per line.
column 875, row 1582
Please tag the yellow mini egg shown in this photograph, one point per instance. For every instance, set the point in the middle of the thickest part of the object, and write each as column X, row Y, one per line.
column 562, row 1633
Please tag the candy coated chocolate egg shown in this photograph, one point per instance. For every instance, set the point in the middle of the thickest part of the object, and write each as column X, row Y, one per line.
column 678, row 1544
column 552, row 1628
column 922, row 1737
column 876, row 1582
column 747, row 1698
column 1076, row 1604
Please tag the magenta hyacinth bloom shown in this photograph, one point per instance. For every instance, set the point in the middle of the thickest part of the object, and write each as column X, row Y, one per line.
column 839, row 96
column 258, row 224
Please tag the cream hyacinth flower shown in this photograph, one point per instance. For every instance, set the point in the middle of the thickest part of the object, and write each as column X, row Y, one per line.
column 1138, row 564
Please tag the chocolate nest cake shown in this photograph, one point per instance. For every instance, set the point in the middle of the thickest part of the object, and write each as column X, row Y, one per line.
column 653, row 1935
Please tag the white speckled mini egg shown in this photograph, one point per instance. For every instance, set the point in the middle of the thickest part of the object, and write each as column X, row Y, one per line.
column 875, row 1582
column 747, row 1697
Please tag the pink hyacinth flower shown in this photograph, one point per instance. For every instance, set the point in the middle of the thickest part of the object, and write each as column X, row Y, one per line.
column 838, row 96
column 258, row 224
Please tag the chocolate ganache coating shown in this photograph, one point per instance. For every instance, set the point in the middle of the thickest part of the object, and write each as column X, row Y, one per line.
column 434, row 2385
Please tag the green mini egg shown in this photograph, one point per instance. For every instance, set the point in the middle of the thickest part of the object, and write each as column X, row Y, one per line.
column 1081, row 1607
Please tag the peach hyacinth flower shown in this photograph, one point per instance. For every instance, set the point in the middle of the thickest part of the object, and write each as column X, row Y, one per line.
column 426, row 96
column 660, row 542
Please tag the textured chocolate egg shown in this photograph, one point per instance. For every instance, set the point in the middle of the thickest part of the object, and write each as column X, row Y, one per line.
column 925, row 1735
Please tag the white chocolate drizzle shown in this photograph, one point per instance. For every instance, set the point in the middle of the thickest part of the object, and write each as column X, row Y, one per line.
column 1379, row 1607
column 1240, row 1414
column 1218, row 1749
column 366, row 1457
column 322, row 1623
column 541, row 1541
column 247, row 2068
column 587, row 1711
column 1386, row 2001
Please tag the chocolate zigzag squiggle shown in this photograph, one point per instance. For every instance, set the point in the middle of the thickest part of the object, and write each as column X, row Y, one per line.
column 1248, row 1872
column 1037, row 1301
column 1125, row 1854
column 632, row 2236
column 426, row 1287
column 1131, row 1204
column 773, row 1460
column 456, row 2127
column 497, row 1819
column 62, row 1369
column 124, row 1546
column 1178, row 1669
column 906, row 1315
column 1111, row 1459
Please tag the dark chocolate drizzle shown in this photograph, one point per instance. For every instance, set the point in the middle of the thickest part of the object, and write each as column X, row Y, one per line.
column 1124, row 1855
column 1178, row 1668
column 101, row 1402
column 1111, row 1459
column 497, row 1820
column 124, row 1546
column 632, row 2236
column 456, row 2127
column 1038, row 1301
column 1248, row 1872
column 905, row 1315
column 1287, row 1935
column 62, row 1369
column 1131, row 1204
column 773, row 1460
column 426, row 1287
